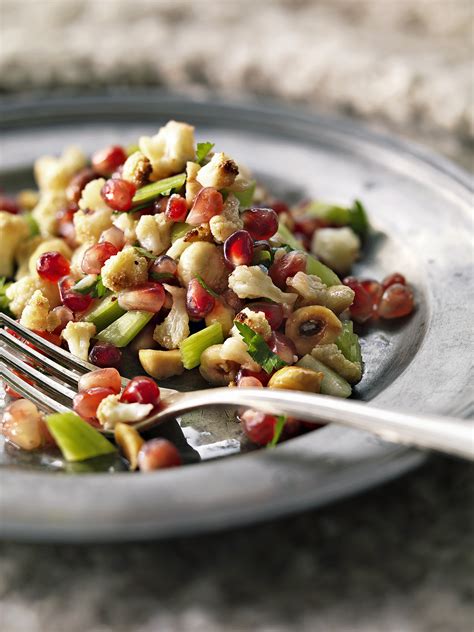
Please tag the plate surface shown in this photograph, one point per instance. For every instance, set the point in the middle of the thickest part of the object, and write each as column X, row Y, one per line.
column 419, row 207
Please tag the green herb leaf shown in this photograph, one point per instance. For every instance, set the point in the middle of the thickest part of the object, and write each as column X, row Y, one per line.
column 143, row 252
column 4, row 302
column 96, row 288
column 202, row 150
column 280, row 424
column 358, row 219
column 259, row 350
column 203, row 284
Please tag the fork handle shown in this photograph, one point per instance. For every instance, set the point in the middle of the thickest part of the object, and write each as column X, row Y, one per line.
column 444, row 434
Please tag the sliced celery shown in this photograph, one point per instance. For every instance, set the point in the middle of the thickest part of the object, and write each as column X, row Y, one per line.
column 245, row 197
column 348, row 342
column 192, row 348
column 105, row 312
column 327, row 276
column 286, row 237
column 32, row 224
column 123, row 330
column 76, row 439
column 328, row 212
column 332, row 383
column 161, row 187
column 179, row 230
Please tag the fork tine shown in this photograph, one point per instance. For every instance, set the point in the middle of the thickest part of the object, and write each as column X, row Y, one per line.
column 38, row 397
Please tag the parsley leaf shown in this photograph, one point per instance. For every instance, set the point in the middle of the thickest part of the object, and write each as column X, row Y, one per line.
column 143, row 252
column 258, row 349
column 4, row 302
column 280, row 424
column 203, row 284
column 202, row 150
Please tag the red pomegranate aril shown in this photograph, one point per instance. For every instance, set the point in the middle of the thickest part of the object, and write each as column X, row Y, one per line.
column 374, row 289
column 396, row 301
column 118, row 194
column 73, row 300
column 64, row 314
column 258, row 427
column 52, row 266
column 164, row 269
column 198, row 300
column 261, row 223
column 9, row 205
column 103, row 378
column 95, row 257
column 23, row 426
column 273, row 312
column 158, row 454
column 176, row 209
column 261, row 376
column 77, row 184
column 106, row 161
column 86, row 402
column 362, row 307
column 148, row 297
column 391, row 279
column 141, row 390
column 65, row 225
column 249, row 382
column 114, row 236
column 279, row 207
column 238, row 249
column 287, row 266
column 105, row 354
column 207, row 203
column 283, row 347
column 52, row 337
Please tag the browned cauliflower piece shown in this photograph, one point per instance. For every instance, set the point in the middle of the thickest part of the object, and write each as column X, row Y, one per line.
column 192, row 185
column 154, row 233
column 18, row 293
column 169, row 150
column 255, row 320
column 222, row 226
column 252, row 282
column 137, row 169
column 332, row 356
column 219, row 173
column 175, row 327
column 313, row 291
column 35, row 314
column 125, row 269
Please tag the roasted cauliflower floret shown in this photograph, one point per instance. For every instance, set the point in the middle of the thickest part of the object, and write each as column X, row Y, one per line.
column 235, row 350
column 169, row 150
column 313, row 291
column 205, row 260
column 332, row 356
column 19, row 293
column 154, row 233
column 125, row 269
column 35, row 314
column 252, row 282
column 13, row 230
column 127, row 225
column 192, row 185
column 243, row 180
column 223, row 225
column 91, row 198
column 46, row 210
column 78, row 337
column 93, row 216
column 112, row 411
column 175, row 327
column 219, row 173
column 137, row 169
column 53, row 173
column 337, row 247
column 49, row 245
column 255, row 320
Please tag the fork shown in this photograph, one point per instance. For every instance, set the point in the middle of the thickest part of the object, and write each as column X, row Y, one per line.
column 54, row 392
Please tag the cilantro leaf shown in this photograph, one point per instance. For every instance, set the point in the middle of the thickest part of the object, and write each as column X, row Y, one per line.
column 259, row 350
column 202, row 150
column 204, row 285
column 280, row 424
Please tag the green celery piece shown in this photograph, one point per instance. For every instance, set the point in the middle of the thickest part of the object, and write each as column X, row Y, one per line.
column 327, row 276
column 286, row 237
column 179, row 230
column 192, row 348
column 123, row 330
column 76, row 439
column 153, row 190
column 32, row 224
column 329, row 212
column 105, row 313
column 245, row 197
column 332, row 383
column 348, row 342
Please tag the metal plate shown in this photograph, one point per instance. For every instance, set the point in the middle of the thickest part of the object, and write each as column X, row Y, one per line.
column 419, row 207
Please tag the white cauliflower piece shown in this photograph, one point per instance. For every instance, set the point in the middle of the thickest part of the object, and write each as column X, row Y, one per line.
column 255, row 320
column 175, row 327
column 234, row 349
column 222, row 226
column 219, row 173
column 124, row 270
column 78, row 337
column 54, row 174
column 252, row 282
column 192, row 185
column 19, row 293
column 244, row 179
column 169, row 150
column 127, row 225
column 76, row 261
column 91, row 198
column 337, row 247
column 93, row 216
column 177, row 248
column 112, row 411
column 137, row 169
column 154, row 233
column 13, row 230
column 49, row 245
column 332, row 356
column 23, row 253
column 313, row 291
column 46, row 210
column 35, row 314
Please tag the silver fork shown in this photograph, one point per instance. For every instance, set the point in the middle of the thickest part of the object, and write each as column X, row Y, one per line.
column 55, row 391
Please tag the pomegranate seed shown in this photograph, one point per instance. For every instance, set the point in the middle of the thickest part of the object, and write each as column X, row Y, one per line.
column 258, row 427
column 261, row 223
column 374, row 289
column 149, row 297
column 73, row 300
column 396, row 301
column 287, row 266
column 65, row 316
column 159, row 205
column 283, row 347
column 207, row 203
column 23, row 426
column 86, row 402
column 65, row 225
column 164, row 269
column 307, row 225
column 9, row 205
column 158, row 454
column 106, row 161
column 176, row 209
column 114, row 236
column 52, row 266
column 103, row 378
column 105, row 354
column 273, row 312
column 279, row 207
column 54, row 339
column 118, row 194
column 78, row 182
column 238, row 248
column 249, row 382
column 198, row 300
column 8, row 389
column 261, row 376
column 362, row 307
column 141, row 390
column 391, row 279
column 95, row 257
